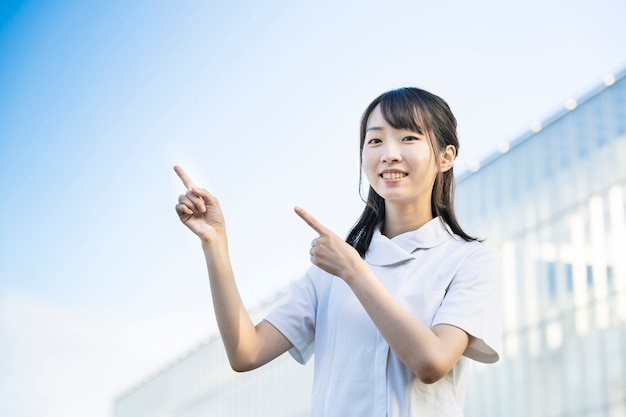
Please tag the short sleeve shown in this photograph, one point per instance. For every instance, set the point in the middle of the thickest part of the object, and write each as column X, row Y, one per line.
column 295, row 318
column 473, row 302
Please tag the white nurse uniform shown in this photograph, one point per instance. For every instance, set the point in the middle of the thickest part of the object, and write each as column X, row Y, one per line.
column 439, row 278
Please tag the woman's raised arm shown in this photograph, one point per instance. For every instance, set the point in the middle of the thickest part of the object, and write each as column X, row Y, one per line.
column 247, row 346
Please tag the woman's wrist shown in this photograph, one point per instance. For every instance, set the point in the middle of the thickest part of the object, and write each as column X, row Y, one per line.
column 213, row 241
column 357, row 272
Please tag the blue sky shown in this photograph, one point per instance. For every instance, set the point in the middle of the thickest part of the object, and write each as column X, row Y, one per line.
column 100, row 285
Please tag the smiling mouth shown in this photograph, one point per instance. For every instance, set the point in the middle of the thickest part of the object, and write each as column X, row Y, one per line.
column 393, row 175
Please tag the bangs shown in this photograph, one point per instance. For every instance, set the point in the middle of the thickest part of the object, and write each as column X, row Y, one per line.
column 402, row 110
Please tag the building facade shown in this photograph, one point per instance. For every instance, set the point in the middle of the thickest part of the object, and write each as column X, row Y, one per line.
column 554, row 203
column 202, row 384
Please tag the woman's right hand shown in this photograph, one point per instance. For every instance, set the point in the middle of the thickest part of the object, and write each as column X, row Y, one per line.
column 199, row 210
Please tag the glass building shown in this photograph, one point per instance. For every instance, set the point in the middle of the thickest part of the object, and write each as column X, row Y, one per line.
column 201, row 383
column 554, row 203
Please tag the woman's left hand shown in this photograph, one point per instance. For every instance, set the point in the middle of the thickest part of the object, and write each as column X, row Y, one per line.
column 331, row 253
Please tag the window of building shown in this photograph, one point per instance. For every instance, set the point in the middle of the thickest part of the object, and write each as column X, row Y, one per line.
column 569, row 278
column 619, row 109
column 551, row 279
column 589, row 276
column 581, row 135
column 600, row 121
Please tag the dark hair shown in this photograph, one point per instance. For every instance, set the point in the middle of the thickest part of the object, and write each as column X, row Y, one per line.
column 420, row 111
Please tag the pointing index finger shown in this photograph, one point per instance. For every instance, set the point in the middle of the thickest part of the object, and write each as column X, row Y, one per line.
column 311, row 221
column 184, row 177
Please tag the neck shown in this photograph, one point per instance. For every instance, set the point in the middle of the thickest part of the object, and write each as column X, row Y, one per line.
column 404, row 218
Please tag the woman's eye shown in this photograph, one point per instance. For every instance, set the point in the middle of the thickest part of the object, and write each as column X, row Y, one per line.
column 374, row 141
column 410, row 138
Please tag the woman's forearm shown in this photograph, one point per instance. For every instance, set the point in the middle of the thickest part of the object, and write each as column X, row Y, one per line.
column 429, row 353
column 233, row 320
column 247, row 346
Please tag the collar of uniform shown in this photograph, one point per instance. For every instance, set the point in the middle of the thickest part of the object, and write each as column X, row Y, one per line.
column 384, row 251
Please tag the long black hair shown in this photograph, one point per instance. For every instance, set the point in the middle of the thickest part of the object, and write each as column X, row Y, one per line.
column 420, row 111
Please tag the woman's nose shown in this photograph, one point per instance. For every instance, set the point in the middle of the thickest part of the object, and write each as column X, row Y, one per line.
column 391, row 153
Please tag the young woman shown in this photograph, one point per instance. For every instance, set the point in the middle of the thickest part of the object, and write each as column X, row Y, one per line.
column 394, row 313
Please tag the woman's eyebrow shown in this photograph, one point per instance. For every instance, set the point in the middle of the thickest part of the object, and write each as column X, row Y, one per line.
column 373, row 128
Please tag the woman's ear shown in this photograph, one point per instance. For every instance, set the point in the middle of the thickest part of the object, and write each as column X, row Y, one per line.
column 446, row 158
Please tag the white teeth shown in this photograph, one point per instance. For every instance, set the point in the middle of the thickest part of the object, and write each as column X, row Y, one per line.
column 393, row 175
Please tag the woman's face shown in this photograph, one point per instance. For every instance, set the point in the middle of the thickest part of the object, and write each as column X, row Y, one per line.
column 399, row 164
